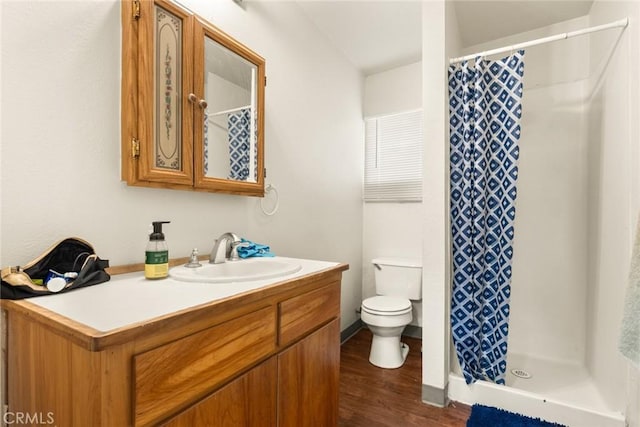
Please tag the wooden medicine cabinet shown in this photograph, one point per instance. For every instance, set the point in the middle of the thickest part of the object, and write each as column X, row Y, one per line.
column 192, row 103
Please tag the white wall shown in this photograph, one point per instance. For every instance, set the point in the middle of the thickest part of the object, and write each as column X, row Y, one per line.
column 453, row 49
column 394, row 91
column 391, row 229
column 613, row 200
column 435, row 229
column 60, row 141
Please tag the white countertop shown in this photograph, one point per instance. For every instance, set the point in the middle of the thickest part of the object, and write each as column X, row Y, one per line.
column 130, row 298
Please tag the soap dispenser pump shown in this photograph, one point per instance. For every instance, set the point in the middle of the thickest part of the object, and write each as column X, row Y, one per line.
column 156, row 264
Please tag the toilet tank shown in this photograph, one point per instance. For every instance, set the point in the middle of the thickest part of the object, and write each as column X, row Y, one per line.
column 401, row 277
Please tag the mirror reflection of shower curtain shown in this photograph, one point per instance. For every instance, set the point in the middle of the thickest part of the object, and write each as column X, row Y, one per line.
column 239, row 126
column 206, row 143
column 484, row 115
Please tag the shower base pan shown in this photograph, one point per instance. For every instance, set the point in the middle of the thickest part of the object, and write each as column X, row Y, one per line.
column 557, row 392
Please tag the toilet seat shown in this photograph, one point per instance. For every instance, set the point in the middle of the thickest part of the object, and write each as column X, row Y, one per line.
column 386, row 306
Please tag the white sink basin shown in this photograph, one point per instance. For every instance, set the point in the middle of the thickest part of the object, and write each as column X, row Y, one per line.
column 236, row 271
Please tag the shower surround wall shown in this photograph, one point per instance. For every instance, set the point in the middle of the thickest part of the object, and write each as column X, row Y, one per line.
column 575, row 209
column 548, row 298
column 550, row 251
column 614, row 198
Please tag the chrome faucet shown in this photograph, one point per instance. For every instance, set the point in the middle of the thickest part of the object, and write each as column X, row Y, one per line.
column 226, row 247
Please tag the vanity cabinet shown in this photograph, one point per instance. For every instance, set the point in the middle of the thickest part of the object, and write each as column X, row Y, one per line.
column 298, row 387
column 268, row 357
column 192, row 103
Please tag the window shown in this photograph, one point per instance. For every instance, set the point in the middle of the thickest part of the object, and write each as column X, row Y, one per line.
column 393, row 158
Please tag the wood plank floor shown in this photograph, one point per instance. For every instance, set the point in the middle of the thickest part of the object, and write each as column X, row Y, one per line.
column 375, row 397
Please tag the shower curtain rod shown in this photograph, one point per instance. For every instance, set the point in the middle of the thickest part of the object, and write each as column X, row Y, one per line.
column 621, row 23
column 231, row 110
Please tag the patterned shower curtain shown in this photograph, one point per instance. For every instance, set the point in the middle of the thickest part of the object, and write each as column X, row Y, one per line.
column 238, row 125
column 485, row 110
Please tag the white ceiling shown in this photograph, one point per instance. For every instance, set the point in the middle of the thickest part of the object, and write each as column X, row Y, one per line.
column 374, row 35
column 481, row 21
column 384, row 34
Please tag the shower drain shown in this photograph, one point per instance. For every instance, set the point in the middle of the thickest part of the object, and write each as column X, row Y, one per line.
column 521, row 373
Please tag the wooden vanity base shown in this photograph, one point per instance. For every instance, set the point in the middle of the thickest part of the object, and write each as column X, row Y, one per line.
column 263, row 358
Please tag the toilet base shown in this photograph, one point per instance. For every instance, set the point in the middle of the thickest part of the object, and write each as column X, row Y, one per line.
column 388, row 352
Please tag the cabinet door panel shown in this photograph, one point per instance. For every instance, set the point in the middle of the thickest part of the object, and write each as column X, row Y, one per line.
column 308, row 380
column 173, row 375
column 249, row 401
column 165, row 78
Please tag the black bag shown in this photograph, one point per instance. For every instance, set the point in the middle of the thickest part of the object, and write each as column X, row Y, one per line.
column 71, row 255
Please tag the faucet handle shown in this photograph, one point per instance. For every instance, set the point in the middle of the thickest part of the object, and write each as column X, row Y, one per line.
column 193, row 259
column 234, row 250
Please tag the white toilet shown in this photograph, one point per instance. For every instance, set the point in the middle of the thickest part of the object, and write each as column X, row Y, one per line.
column 397, row 281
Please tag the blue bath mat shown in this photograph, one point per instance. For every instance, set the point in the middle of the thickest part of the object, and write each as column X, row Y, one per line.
column 487, row 416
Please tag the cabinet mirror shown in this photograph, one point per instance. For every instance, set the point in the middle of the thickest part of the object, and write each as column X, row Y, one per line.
column 192, row 103
column 230, row 139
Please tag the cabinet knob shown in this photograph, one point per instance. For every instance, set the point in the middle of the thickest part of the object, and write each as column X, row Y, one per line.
column 192, row 98
column 203, row 104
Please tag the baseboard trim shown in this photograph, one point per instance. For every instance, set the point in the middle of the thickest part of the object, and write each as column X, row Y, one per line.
column 413, row 331
column 435, row 396
column 410, row 331
column 350, row 331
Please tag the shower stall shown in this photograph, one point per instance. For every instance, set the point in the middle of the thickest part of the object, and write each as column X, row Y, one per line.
column 572, row 227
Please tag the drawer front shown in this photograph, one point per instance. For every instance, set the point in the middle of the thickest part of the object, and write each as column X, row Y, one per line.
column 174, row 375
column 304, row 313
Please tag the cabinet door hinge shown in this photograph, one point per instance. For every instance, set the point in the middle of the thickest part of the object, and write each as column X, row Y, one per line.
column 136, row 9
column 135, row 148
column 265, row 172
column 265, row 81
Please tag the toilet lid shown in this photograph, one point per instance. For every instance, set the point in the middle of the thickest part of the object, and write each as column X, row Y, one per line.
column 386, row 305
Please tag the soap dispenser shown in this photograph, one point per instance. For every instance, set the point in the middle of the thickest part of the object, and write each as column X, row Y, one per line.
column 156, row 264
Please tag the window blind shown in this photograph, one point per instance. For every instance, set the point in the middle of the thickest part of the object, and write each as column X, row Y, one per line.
column 393, row 158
